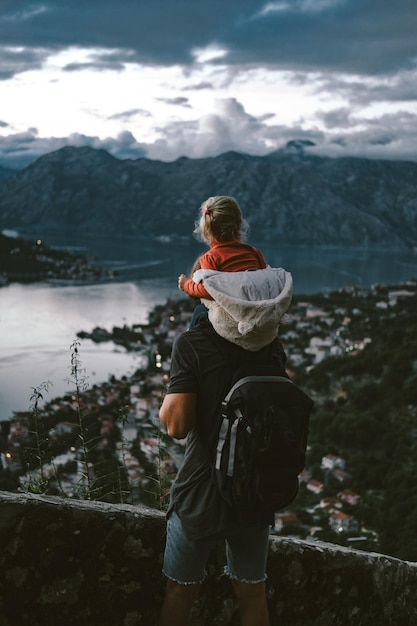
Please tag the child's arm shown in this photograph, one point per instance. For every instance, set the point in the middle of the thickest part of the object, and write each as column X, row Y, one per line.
column 195, row 290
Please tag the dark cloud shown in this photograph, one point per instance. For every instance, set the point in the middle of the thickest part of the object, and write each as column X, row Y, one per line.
column 361, row 53
column 401, row 87
column 159, row 32
column 108, row 60
column 389, row 136
column 337, row 118
column 127, row 115
column 266, row 116
column 199, row 86
column 15, row 61
column 93, row 65
column 371, row 137
column 178, row 101
column 366, row 37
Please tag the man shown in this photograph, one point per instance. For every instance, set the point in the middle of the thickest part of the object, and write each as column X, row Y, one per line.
column 202, row 369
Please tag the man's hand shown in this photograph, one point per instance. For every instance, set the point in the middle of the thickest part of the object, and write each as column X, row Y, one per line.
column 178, row 413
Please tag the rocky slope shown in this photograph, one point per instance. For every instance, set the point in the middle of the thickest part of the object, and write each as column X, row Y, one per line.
column 288, row 195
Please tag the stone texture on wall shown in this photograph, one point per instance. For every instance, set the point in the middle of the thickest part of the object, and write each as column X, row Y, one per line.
column 72, row 562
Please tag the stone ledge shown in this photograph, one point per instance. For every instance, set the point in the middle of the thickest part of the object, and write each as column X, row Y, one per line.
column 90, row 563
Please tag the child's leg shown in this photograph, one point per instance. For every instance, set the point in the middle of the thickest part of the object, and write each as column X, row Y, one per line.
column 200, row 312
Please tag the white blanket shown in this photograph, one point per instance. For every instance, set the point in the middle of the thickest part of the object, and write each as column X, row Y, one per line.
column 247, row 307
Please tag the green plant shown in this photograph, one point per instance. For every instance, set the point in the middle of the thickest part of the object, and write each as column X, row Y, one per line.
column 40, row 441
column 104, row 477
column 124, row 494
column 162, row 477
column 79, row 379
column 39, row 456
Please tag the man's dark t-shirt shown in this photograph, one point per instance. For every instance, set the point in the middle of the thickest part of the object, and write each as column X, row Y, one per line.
column 204, row 363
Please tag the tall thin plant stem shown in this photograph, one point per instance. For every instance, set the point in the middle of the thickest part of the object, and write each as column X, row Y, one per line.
column 122, row 417
column 35, row 398
column 79, row 379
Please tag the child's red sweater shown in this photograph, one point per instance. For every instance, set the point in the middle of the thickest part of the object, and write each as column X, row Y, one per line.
column 229, row 256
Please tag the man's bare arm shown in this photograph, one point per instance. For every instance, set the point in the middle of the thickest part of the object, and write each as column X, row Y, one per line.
column 178, row 413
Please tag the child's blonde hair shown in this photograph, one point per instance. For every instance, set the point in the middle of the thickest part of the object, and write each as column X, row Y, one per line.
column 221, row 220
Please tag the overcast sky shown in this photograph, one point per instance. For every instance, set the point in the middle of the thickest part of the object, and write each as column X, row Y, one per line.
column 167, row 78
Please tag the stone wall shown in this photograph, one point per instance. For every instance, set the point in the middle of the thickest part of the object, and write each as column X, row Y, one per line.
column 72, row 562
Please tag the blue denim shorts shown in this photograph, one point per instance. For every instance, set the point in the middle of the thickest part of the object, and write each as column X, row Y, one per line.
column 246, row 554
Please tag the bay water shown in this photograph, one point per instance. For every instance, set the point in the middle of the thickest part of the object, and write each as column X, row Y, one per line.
column 39, row 322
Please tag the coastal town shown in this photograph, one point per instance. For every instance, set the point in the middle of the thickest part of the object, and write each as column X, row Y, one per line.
column 25, row 261
column 106, row 442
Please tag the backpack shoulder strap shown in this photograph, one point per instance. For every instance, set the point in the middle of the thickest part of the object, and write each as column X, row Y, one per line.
column 256, row 379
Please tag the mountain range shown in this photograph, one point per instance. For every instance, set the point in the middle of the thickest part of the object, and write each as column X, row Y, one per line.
column 287, row 196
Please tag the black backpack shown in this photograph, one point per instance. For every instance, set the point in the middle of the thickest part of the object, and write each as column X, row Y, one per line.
column 262, row 439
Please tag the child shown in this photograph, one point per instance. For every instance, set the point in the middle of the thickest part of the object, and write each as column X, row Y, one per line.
column 220, row 226
column 245, row 307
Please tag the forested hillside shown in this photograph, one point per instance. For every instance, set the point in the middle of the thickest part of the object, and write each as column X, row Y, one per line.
column 366, row 409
